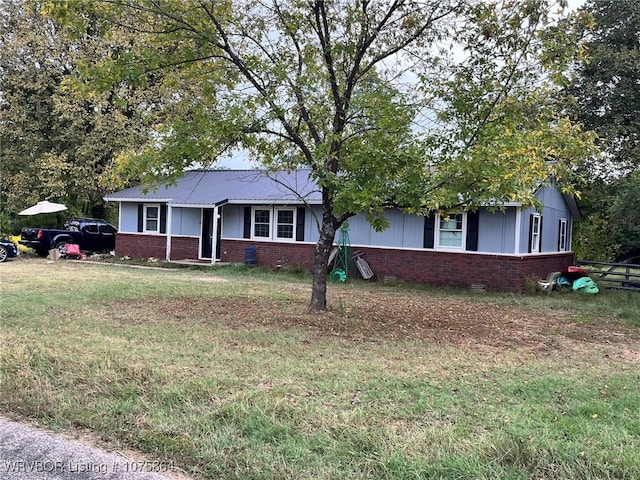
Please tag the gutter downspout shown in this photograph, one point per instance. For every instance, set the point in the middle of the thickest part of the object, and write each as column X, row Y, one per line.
column 569, row 245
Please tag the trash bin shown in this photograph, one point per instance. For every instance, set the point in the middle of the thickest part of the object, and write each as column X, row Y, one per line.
column 250, row 257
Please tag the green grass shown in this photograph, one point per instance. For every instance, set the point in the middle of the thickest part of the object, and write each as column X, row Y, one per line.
column 623, row 306
column 224, row 373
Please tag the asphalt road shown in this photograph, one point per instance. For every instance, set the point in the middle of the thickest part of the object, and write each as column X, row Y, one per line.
column 33, row 454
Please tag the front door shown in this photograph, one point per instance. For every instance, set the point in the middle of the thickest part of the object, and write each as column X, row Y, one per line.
column 206, row 245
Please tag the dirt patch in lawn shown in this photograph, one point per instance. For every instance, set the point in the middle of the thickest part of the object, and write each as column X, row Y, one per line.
column 439, row 319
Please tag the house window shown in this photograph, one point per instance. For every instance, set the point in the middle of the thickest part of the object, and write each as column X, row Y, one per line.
column 451, row 230
column 152, row 219
column 261, row 223
column 274, row 223
column 536, row 228
column 562, row 235
column 285, row 226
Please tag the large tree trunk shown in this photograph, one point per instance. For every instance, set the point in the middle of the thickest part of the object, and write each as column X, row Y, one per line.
column 321, row 259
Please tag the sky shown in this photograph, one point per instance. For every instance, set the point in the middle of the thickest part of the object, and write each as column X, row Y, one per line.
column 240, row 160
column 573, row 4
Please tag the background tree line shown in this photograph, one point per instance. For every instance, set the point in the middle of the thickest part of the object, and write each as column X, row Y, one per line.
column 606, row 92
column 57, row 141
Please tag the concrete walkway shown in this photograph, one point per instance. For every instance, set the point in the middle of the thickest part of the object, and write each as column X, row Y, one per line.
column 33, row 454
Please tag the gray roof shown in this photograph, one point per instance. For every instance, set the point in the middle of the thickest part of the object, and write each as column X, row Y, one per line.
column 215, row 187
column 205, row 188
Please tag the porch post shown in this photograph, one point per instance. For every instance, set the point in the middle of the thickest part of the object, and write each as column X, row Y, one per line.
column 214, row 240
column 168, row 256
column 518, row 230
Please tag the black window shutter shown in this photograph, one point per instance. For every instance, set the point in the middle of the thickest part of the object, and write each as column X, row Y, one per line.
column 163, row 219
column 540, row 246
column 429, row 231
column 530, row 231
column 473, row 221
column 247, row 222
column 140, row 217
column 300, row 224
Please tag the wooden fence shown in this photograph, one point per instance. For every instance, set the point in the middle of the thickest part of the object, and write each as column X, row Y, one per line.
column 614, row 276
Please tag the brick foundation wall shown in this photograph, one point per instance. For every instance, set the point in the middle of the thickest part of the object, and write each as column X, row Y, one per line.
column 145, row 246
column 269, row 254
column 183, row 248
column 494, row 272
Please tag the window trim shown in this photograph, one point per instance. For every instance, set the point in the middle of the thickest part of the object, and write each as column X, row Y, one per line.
column 145, row 218
column 535, row 236
column 273, row 223
column 563, row 235
column 253, row 223
column 463, row 241
column 293, row 224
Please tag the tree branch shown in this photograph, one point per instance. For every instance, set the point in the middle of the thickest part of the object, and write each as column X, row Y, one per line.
column 253, row 78
column 304, row 113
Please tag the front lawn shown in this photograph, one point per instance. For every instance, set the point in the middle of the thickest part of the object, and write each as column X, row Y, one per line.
column 222, row 373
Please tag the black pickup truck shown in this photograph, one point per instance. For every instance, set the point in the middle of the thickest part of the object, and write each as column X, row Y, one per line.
column 91, row 234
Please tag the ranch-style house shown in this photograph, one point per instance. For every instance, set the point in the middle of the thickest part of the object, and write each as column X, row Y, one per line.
column 214, row 215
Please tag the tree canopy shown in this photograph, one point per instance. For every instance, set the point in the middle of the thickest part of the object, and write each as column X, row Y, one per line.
column 56, row 141
column 421, row 105
column 606, row 95
column 606, row 86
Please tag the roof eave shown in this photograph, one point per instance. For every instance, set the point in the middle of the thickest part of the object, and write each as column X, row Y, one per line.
column 573, row 206
column 272, row 201
column 137, row 200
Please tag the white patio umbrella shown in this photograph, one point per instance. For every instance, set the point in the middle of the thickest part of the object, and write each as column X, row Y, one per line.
column 43, row 207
